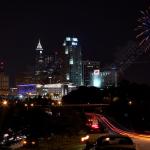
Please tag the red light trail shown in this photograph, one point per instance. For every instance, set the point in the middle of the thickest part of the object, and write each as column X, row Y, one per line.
column 113, row 128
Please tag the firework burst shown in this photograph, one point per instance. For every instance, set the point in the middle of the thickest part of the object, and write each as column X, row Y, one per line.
column 143, row 29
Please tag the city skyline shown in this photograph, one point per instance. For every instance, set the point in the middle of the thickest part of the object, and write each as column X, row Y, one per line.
column 101, row 28
column 75, row 74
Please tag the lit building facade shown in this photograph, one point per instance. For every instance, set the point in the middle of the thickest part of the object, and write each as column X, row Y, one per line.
column 4, row 84
column 39, row 62
column 40, row 69
column 4, row 79
column 88, row 68
column 96, row 78
column 57, row 91
column 73, row 61
column 54, row 91
column 109, row 77
column 55, row 68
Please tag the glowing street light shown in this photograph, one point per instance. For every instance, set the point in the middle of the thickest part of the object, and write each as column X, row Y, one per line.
column 130, row 103
column 5, row 103
column 59, row 103
column 31, row 104
column 24, row 142
column 26, row 105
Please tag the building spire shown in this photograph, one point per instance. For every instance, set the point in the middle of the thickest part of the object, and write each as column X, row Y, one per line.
column 39, row 46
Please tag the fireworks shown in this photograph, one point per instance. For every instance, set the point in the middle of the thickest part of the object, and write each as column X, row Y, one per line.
column 143, row 29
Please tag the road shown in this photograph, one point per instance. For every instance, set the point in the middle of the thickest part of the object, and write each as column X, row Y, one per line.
column 142, row 144
column 142, row 141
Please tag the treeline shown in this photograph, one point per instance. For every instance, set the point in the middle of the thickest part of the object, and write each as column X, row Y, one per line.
column 129, row 103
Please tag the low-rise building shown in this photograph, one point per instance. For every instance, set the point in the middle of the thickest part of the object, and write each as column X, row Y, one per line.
column 54, row 91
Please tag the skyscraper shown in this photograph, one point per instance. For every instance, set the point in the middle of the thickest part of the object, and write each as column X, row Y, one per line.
column 4, row 79
column 88, row 70
column 39, row 63
column 73, row 61
column 54, row 67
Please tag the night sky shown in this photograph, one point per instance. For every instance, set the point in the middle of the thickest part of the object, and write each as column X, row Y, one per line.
column 100, row 26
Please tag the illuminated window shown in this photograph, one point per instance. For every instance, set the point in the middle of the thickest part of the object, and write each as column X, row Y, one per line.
column 67, row 76
column 68, row 39
column 75, row 39
column 66, row 51
column 71, row 61
column 64, row 44
column 40, row 52
column 40, row 61
column 74, row 43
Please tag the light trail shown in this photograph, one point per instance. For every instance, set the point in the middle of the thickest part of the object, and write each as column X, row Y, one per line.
column 113, row 128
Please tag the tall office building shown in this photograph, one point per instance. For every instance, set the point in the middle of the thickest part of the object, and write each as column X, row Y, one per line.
column 4, row 84
column 4, row 79
column 39, row 60
column 88, row 68
column 54, row 67
column 73, row 61
column 39, row 64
